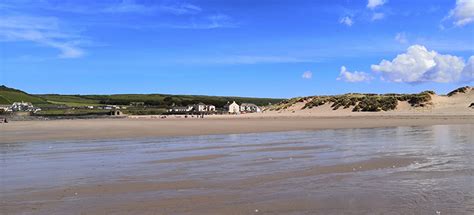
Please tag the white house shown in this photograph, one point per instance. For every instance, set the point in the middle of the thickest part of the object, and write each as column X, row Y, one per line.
column 201, row 107
column 233, row 107
column 23, row 106
column 211, row 108
column 249, row 108
column 5, row 108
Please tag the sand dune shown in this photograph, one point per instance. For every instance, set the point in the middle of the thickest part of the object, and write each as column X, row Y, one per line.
column 458, row 104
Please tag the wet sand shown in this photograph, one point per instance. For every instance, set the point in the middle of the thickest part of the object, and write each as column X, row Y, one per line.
column 154, row 127
column 396, row 170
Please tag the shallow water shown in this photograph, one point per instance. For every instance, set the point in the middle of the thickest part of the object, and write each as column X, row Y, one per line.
column 403, row 170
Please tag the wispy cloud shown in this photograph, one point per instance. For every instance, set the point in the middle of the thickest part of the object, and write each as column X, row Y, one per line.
column 40, row 30
column 378, row 16
column 401, row 38
column 246, row 59
column 463, row 13
column 131, row 6
column 209, row 22
column 189, row 16
column 307, row 75
column 108, row 7
column 346, row 21
column 127, row 6
column 181, row 9
column 372, row 4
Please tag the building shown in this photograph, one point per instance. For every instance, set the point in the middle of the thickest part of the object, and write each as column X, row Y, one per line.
column 211, row 108
column 5, row 108
column 23, row 107
column 201, row 107
column 178, row 109
column 232, row 107
column 249, row 108
column 196, row 108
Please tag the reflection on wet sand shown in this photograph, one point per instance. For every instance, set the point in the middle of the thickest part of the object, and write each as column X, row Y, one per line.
column 414, row 170
column 190, row 159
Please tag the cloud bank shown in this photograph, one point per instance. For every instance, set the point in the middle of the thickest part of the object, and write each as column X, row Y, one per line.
column 419, row 65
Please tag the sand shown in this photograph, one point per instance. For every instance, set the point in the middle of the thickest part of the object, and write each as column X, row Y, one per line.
column 405, row 170
column 145, row 127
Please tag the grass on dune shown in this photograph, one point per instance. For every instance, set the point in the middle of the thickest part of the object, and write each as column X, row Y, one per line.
column 360, row 102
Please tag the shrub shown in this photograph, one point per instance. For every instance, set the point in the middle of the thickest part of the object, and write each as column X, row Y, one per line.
column 419, row 100
column 388, row 103
column 459, row 90
column 316, row 102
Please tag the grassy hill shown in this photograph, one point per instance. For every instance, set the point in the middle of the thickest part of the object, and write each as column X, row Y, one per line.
column 159, row 100
column 10, row 95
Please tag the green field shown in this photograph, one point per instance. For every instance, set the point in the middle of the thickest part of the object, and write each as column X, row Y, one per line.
column 71, row 112
column 70, row 100
column 156, row 100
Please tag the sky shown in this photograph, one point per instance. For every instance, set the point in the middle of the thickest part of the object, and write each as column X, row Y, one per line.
column 265, row 48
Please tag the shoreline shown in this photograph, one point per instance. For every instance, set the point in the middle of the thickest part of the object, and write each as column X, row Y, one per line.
column 146, row 127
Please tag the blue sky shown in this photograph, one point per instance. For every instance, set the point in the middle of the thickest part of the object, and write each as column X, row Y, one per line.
column 266, row 48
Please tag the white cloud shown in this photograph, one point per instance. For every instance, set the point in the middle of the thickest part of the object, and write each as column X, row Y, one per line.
column 372, row 4
column 40, row 30
column 346, row 21
column 347, row 76
column 419, row 64
column 467, row 75
column 401, row 38
column 131, row 6
column 463, row 13
column 307, row 75
column 180, row 9
column 220, row 21
column 378, row 16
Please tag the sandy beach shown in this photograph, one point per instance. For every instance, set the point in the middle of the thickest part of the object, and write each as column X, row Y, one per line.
column 147, row 126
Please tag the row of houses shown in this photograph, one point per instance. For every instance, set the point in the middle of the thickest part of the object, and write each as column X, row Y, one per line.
column 20, row 107
column 200, row 108
column 235, row 108
column 232, row 108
